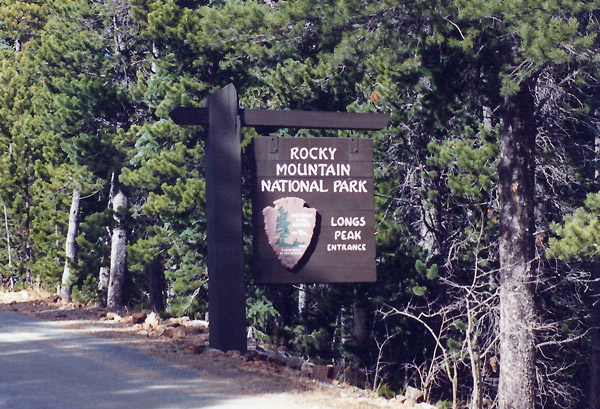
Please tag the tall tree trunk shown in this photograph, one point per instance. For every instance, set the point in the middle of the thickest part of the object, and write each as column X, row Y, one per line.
column 70, row 248
column 104, row 273
column 170, row 296
column 156, row 279
column 516, row 202
column 103, row 279
column 595, row 338
column 361, row 316
column 118, row 253
column 303, row 303
column 28, row 245
column 594, row 396
column 475, row 358
column 6, row 226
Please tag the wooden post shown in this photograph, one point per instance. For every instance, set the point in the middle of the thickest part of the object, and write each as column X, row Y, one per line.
column 226, row 292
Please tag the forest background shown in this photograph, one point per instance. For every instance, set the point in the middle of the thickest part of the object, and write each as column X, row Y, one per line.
column 487, row 179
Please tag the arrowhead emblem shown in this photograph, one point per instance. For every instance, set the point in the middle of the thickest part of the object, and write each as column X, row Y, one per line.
column 290, row 227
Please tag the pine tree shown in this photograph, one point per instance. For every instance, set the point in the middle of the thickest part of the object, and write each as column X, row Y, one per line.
column 540, row 37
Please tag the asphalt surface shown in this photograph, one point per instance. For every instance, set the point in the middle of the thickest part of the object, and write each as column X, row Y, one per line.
column 44, row 366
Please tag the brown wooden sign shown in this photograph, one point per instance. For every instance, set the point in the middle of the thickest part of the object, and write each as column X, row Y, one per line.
column 313, row 210
column 343, row 229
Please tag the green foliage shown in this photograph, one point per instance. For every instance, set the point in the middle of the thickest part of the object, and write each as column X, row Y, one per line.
column 87, row 291
column 546, row 32
column 443, row 404
column 261, row 314
column 430, row 273
column 385, row 391
column 469, row 163
column 578, row 237
column 310, row 343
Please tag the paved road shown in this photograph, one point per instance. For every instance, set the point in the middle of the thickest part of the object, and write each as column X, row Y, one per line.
column 44, row 366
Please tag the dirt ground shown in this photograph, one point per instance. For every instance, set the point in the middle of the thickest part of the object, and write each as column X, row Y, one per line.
column 260, row 371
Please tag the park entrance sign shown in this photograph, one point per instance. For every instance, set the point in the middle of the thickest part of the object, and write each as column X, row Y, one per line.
column 313, row 210
column 332, row 226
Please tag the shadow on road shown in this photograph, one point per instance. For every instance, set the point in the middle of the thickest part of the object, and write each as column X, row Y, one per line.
column 45, row 366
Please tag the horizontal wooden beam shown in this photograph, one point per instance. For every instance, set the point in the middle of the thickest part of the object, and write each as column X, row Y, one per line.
column 288, row 119
column 313, row 119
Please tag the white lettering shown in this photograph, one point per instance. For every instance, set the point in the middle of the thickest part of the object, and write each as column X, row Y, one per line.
column 312, row 169
column 281, row 169
column 348, row 221
column 350, row 186
column 346, row 247
column 293, row 186
column 347, row 235
column 317, row 186
column 314, row 153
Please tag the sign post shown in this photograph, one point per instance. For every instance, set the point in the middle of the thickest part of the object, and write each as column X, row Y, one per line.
column 223, row 118
column 226, row 292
